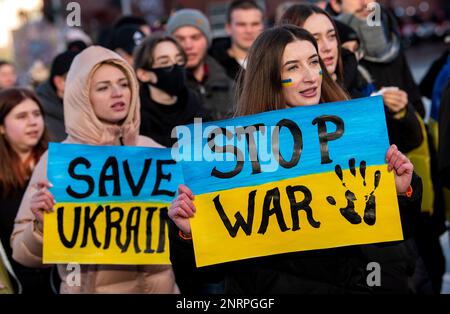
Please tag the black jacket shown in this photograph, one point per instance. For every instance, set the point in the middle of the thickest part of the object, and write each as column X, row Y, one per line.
column 219, row 51
column 216, row 90
column 158, row 121
column 427, row 83
column 54, row 111
column 444, row 138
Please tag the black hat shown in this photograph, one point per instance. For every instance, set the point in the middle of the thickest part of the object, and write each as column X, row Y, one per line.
column 130, row 20
column 61, row 63
column 76, row 46
column 346, row 33
column 126, row 38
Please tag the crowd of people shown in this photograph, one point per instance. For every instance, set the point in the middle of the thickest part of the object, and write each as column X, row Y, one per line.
column 135, row 87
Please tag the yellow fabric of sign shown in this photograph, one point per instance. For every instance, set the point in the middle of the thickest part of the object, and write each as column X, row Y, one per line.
column 143, row 235
column 214, row 243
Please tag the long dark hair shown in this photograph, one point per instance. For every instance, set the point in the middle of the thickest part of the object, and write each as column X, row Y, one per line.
column 259, row 86
column 13, row 172
column 297, row 15
column 143, row 55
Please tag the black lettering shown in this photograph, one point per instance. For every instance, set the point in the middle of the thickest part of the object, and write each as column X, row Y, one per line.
column 88, row 179
column 160, row 176
column 298, row 144
column 113, row 224
column 76, row 227
column 111, row 162
column 148, row 247
column 303, row 205
column 136, row 188
column 249, row 133
column 325, row 137
column 225, row 149
column 89, row 224
column 240, row 222
column 133, row 228
column 272, row 196
column 163, row 223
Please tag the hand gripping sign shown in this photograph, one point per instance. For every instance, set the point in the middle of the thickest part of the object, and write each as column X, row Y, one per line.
column 290, row 180
column 112, row 204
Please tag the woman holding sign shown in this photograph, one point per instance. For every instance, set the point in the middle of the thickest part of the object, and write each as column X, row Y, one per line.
column 297, row 77
column 101, row 106
column 404, row 128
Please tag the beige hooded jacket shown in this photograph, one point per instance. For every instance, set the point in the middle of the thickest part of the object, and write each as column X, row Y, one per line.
column 82, row 126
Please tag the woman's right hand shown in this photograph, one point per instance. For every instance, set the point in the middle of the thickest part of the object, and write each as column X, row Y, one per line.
column 395, row 99
column 182, row 209
column 42, row 201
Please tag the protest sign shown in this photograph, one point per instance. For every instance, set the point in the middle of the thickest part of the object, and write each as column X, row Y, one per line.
column 112, row 204
column 290, row 180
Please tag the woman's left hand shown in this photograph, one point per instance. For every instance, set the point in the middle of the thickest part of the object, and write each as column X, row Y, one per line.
column 403, row 169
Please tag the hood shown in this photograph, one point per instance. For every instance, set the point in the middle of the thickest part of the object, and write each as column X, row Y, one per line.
column 82, row 125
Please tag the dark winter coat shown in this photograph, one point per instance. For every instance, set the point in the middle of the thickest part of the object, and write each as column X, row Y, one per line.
column 53, row 110
column 216, row 90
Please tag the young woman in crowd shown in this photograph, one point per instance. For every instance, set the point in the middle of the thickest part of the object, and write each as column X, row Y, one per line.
column 23, row 139
column 166, row 102
column 405, row 131
column 101, row 106
column 288, row 52
column 403, row 125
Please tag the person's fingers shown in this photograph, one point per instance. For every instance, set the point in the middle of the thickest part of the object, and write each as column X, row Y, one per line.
column 184, row 189
column 395, row 100
column 392, row 161
column 39, row 216
column 188, row 201
column 186, row 208
column 42, row 204
column 393, row 105
column 45, row 202
column 391, row 153
column 47, row 193
column 405, row 168
column 179, row 212
column 43, row 184
column 401, row 159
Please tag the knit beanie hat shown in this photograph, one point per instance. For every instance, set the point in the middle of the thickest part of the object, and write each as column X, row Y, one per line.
column 127, row 38
column 189, row 17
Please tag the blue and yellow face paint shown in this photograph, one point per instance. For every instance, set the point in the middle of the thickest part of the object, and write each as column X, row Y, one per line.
column 321, row 72
column 287, row 83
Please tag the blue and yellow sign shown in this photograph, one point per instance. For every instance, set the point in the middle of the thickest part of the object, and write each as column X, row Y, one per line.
column 112, row 204
column 290, row 180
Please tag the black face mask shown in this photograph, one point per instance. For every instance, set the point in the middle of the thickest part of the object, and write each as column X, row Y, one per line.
column 171, row 80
